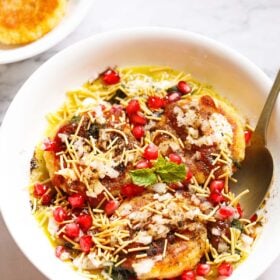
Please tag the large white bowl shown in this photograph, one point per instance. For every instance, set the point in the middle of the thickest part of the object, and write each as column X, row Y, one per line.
column 232, row 74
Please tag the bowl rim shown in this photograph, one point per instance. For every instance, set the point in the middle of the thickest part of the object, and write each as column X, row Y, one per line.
column 139, row 32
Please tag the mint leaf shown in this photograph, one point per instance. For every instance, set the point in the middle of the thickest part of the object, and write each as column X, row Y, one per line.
column 170, row 172
column 161, row 163
column 143, row 177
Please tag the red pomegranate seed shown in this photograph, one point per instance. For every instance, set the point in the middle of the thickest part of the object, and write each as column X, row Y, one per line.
column 184, row 87
column 76, row 200
column 225, row 212
column 49, row 145
column 131, row 190
column 111, row 206
column 95, row 201
column 239, row 210
column 46, row 199
column 216, row 198
column 217, row 186
column 86, row 243
column 151, row 152
column 59, row 250
column 248, row 136
column 175, row 158
column 39, row 190
column 85, row 222
column 132, row 107
column 188, row 177
column 143, row 163
column 173, row 97
column 72, row 230
column 254, row 218
column 110, row 77
column 188, row 275
column 225, row 269
column 138, row 119
column 203, row 269
column 155, row 102
column 138, row 131
column 60, row 214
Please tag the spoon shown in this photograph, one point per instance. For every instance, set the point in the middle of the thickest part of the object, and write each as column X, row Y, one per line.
column 256, row 170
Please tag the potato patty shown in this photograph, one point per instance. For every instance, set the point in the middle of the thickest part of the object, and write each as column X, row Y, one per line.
column 24, row 21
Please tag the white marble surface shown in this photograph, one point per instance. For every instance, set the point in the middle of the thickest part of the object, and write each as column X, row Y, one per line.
column 250, row 27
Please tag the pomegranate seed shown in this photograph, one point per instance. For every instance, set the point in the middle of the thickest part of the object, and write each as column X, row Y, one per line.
column 138, row 131
column 248, row 136
column 184, row 87
column 95, row 201
column 151, row 152
column 59, row 250
column 175, row 158
column 131, row 190
column 72, row 230
column 155, row 102
column 138, row 118
column 225, row 212
column 111, row 206
column 217, row 186
column 49, row 145
column 110, row 77
column 76, row 200
column 254, row 218
column 225, row 269
column 86, row 243
column 188, row 275
column 143, row 163
column 85, row 222
column 132, row 107
column 188, row 177
column 39, row 190
column 46, row 199
column 173, row 97
column 239, row 210
column 203, row 269
column 59, row 214
column 216, row 198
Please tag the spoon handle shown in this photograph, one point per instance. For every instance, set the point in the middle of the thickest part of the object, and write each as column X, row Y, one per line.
column 259, row 135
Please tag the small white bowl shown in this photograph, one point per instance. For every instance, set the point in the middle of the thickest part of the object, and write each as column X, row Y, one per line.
column 75, row 12
column 230, row 73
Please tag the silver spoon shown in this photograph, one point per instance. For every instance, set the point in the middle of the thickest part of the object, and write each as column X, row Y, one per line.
column 256, row 170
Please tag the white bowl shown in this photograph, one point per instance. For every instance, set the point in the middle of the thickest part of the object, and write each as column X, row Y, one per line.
column 75, row 12
column 232, row 74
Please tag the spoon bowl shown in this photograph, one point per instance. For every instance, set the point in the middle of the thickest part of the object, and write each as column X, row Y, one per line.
column 255, row 174
column 256, row 170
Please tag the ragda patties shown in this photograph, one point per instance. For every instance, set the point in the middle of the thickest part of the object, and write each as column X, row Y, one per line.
column 24, row 21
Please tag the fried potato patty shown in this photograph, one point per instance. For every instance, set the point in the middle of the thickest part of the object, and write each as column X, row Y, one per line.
column 180, row 254
column 24, row 21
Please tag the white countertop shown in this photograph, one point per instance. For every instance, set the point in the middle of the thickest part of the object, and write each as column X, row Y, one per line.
column 250, row 27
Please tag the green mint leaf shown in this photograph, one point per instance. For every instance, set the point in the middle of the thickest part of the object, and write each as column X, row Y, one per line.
column 161, row 163
column 170, row 172
column 143, row 177
column 237, row 224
